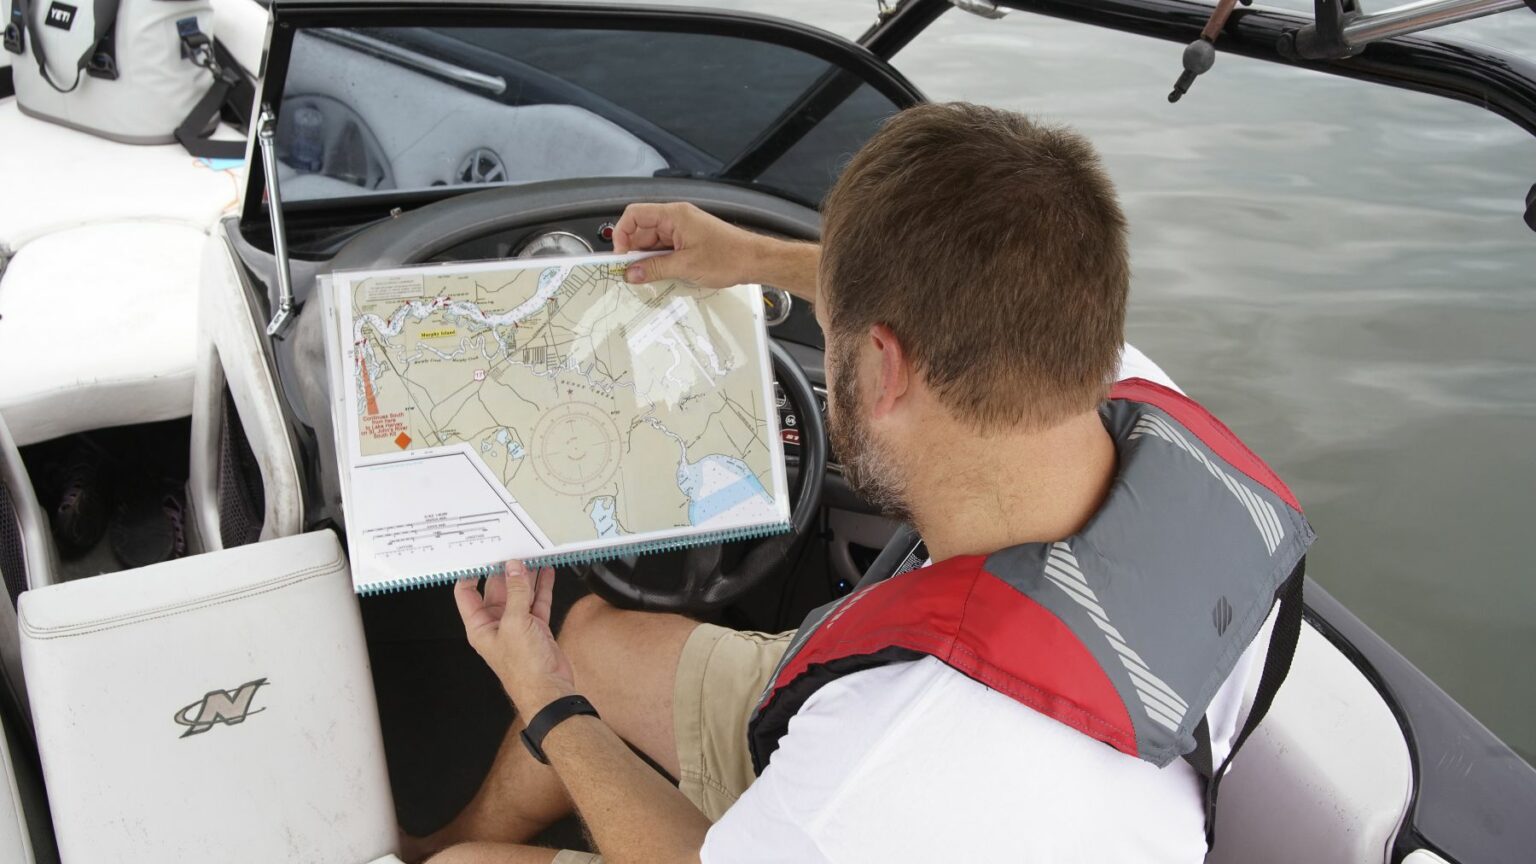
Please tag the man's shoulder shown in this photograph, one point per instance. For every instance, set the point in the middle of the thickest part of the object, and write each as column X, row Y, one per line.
column 924, row 706
column 921, row 743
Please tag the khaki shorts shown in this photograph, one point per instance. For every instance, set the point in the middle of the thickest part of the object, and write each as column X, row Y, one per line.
column 719, row 676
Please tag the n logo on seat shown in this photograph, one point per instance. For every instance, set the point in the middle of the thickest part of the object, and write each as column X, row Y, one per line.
column 220, row 706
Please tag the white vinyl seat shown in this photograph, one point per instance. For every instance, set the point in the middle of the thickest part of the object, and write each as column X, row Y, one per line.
column 98, row 327
column 1326, row 777
column 53, row 178
column 98, row 295
column 213, row 708
column 104, row 241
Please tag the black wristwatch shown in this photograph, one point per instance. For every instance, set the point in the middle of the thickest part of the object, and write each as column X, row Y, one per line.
column 549, row 717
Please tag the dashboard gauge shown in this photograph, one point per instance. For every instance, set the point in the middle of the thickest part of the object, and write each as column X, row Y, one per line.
column 776, row 304
column 555, row 243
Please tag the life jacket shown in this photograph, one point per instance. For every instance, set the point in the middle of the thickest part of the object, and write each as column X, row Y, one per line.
column 1124, row 631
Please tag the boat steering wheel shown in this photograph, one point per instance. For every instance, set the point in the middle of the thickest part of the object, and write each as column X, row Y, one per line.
column 711, row 576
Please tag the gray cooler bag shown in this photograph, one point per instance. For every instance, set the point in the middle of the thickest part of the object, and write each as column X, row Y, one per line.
column 136, row 71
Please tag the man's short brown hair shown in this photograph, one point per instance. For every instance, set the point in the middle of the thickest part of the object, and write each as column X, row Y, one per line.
column 995, row 250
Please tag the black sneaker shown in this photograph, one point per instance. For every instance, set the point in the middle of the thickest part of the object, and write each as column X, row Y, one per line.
column 81, row 501
column 149, row 528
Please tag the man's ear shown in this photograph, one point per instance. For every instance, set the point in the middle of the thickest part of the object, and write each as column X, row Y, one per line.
column 895, row 376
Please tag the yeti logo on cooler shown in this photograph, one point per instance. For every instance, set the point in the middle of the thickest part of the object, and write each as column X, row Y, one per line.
column 61, row 15
column 220, row 706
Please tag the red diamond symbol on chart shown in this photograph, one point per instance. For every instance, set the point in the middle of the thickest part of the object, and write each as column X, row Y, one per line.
column 402, row 440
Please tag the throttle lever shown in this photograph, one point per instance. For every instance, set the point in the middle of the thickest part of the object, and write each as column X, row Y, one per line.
column 1200, row 54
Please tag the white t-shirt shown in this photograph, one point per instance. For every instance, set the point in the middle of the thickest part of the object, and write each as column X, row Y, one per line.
column 916, row 762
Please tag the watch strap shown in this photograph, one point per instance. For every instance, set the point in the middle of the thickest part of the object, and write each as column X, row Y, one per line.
column 549, row 717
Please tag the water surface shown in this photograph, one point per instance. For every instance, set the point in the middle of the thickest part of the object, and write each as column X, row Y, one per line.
column 1340, row 271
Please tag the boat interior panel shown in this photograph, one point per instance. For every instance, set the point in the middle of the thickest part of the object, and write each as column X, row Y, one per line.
column 241, row 27
column 1329, row 756
column 243, row 480
column 28, row 558
column 431, row 133
column 15, row 836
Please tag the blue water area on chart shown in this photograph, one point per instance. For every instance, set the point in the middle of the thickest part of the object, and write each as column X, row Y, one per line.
column 733, row 484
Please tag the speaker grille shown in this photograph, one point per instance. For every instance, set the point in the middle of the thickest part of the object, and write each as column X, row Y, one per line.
column 242, row 499
column 13, row 562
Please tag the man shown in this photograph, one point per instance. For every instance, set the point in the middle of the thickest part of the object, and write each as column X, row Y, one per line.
column 971, row 286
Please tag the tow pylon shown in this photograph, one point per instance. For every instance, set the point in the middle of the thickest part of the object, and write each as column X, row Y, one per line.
column 1200, row 54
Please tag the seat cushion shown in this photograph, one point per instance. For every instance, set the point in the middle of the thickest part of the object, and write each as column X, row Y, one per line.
column 213, row 708
column 54, row 178
column 98, row 327
column 1326, row 777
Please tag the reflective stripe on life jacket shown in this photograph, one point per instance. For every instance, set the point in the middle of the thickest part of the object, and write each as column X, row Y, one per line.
column 1124, row 631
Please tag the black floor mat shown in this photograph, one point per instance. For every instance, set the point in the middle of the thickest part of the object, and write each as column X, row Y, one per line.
column 443, row 712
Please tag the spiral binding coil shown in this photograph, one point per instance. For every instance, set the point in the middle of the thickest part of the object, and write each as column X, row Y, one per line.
column 569, row 559
column 390, row 586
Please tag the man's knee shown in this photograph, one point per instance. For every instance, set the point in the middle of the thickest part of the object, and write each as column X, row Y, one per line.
column 622, row 651
column 584, row 626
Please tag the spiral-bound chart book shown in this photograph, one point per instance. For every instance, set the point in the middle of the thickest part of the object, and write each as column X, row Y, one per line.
column 545, row 410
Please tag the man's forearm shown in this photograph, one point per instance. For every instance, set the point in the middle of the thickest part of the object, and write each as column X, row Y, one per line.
column 787, row 264
column 633, row 813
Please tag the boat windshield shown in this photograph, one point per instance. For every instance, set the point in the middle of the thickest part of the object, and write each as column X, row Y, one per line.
column 400, row 109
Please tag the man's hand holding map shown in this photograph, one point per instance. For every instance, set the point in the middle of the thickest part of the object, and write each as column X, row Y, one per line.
column 546, row 409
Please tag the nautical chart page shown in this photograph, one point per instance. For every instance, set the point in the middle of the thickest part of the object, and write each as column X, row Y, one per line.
column 546, row 409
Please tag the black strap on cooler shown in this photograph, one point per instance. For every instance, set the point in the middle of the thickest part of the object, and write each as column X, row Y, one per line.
column 7, row 84
column 228, row 79
column 240, row 103
column 1277, row 664
column 16, row 28
column 101, row 60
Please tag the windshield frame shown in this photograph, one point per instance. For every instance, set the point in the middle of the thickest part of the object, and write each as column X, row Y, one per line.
column 290, row 17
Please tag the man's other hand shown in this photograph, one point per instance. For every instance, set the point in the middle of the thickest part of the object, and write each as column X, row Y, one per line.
column 509, row 628
column 707, row 251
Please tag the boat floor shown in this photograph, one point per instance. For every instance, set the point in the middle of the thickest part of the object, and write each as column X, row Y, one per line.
column 443, row 712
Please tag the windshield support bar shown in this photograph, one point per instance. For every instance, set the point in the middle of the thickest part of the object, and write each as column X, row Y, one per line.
column 793, row 123
column 266, row 130
column 895, row 28
column 1422, row 15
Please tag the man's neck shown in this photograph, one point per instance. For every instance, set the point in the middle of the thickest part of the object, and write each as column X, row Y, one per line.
column 975, row 495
